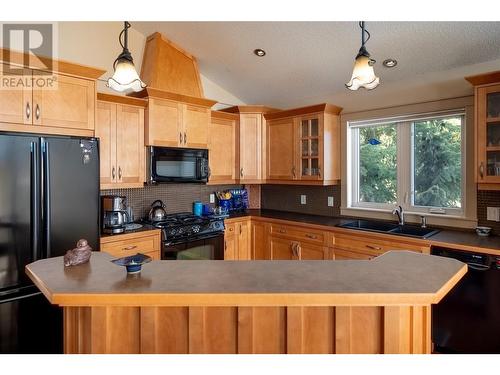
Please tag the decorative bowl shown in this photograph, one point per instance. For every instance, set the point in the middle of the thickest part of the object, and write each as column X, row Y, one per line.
column 483, row 231
column 132, row 263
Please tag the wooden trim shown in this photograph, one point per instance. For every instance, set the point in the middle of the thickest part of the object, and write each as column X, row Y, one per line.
column 324, row 107
column 300, row 182
column 40, row 129
column 250, row 109
column 225, row 115
column 61, row 66
column 156, row 93
column 128, row 100
column 493, row 187
column 129, row 236
column 485, row 78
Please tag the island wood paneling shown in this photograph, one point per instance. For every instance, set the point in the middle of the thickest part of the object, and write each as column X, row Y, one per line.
column 248, row 330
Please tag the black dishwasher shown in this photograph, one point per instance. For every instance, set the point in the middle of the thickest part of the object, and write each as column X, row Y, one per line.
column 467, row 320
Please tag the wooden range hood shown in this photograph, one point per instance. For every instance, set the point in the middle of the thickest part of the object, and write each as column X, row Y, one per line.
column 170, row 72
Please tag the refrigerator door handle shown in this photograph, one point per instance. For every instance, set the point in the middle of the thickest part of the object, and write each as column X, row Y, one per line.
column 35, row 199
column 20, row 297
column 46, row 195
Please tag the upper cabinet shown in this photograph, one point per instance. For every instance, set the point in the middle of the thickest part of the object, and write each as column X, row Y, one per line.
column 487, row 129
column 120, row 129
column 61, row 102
column 222, row 147
column 303, row 145
column 174, row 120
column 251, row 143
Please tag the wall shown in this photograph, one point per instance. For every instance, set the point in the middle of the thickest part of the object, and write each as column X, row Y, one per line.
column 287, row 198
column 485, row 199
column 177, row 197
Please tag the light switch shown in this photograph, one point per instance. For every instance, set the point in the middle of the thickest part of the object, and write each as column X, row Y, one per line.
column 212, row 198
column 303, row 199
column 330, row 201
column 493, row 213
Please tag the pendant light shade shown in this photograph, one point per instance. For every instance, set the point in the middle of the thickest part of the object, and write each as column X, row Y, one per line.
column 125, row 77
column 363, row 74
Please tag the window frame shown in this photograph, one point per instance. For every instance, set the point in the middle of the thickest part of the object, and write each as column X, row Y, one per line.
column 404, row 161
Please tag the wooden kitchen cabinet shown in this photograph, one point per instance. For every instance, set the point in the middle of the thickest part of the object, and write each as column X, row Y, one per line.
column 251, row 143
column 260, row 240
column 120, row 129
column 303, row 145
column 294, row 242
column 63, row 105
column 282, row 248
column 222, row 147
column 175, row 120
column 121, row 245
column 487, row 129
column 237, row 237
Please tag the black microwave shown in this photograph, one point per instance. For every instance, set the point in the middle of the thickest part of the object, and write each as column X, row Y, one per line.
column 170, row 164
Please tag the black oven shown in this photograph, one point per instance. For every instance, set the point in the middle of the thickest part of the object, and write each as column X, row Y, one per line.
column 204, row 247
column 169, row 164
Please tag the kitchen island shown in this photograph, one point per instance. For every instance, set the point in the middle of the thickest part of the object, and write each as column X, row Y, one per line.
column 352, row 306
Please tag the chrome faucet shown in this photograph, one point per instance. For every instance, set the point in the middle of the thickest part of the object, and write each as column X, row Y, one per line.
column 399, row 211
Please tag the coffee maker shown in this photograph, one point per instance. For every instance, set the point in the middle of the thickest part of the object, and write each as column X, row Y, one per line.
column 114, row 214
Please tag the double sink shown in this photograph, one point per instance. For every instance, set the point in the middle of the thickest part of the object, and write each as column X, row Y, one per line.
column 390, row 228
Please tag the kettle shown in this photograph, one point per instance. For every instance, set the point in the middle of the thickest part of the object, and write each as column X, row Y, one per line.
column 157, row 211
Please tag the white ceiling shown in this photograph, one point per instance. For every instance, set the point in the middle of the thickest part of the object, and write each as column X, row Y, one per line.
column 309, row 62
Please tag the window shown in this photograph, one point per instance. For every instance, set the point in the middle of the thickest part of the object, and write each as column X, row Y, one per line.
column 416, row 162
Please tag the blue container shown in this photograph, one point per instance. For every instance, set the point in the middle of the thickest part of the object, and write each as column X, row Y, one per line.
column 197, row 208
column 225, row 204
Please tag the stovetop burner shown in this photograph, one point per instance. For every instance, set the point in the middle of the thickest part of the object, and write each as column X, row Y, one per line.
column 186, row 226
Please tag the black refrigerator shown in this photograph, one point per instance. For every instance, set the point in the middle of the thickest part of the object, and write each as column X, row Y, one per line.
column 49, row 199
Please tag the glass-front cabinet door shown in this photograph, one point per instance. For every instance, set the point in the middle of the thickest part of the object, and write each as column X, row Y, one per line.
column 488, row 134
column 310, row 137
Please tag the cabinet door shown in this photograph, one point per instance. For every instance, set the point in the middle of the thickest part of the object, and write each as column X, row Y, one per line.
column 130, row 145
column 105, row 130
column 340, row 254
column 282, row 249
column 312, row 252
column 163, row 123
column 488, row 134
column 70, row 104
column 260, row 243
column 196, row 120
column 222, row 151
column 244, row 249
column 16, row 105
column 310, row 143
column 230, row 247
column 250, row 135
column 280, row 150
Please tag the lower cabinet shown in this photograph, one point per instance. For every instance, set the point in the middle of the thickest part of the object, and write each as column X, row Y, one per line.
column 283, row 249
column 260, row 240
column 237, row 244
column 122, row 245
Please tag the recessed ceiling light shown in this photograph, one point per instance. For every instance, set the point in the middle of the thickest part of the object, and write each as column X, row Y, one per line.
column 390, row 63
column 259, row 52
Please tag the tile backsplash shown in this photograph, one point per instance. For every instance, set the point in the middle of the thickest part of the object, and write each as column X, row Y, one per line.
column 487, row 199
column 177, row 197
column 287, row 198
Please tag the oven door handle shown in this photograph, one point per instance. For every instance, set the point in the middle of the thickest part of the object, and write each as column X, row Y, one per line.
column 478, row 267
column 193, row 239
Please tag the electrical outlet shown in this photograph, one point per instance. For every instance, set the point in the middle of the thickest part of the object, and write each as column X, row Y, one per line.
column 212, row 198
column 493, row 213
column 330, row 201
column 303, row 199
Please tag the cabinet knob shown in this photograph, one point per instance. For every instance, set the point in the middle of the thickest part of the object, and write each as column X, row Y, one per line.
column 282, row 231
column 241, row 172
column 113, row 173
column 481, row 170
column 374, row 247
column 185, row 138
column 28, row 110
column 120, row 173
column 37, row 112
column 312, row 236
column 180, row 137
column 130, row 247
column 293, row 172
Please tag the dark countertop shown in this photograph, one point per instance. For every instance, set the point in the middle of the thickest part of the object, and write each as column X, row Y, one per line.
column 395, row 278
column 144, row 228
column 465, row 239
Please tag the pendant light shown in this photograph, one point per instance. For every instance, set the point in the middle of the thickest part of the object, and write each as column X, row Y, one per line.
column 363, row 74
column 125, row 76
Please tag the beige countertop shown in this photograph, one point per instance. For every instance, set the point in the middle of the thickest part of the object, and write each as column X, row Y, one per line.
column 394, row 278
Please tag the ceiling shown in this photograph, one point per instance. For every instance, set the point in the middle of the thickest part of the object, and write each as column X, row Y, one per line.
column 309, row 62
